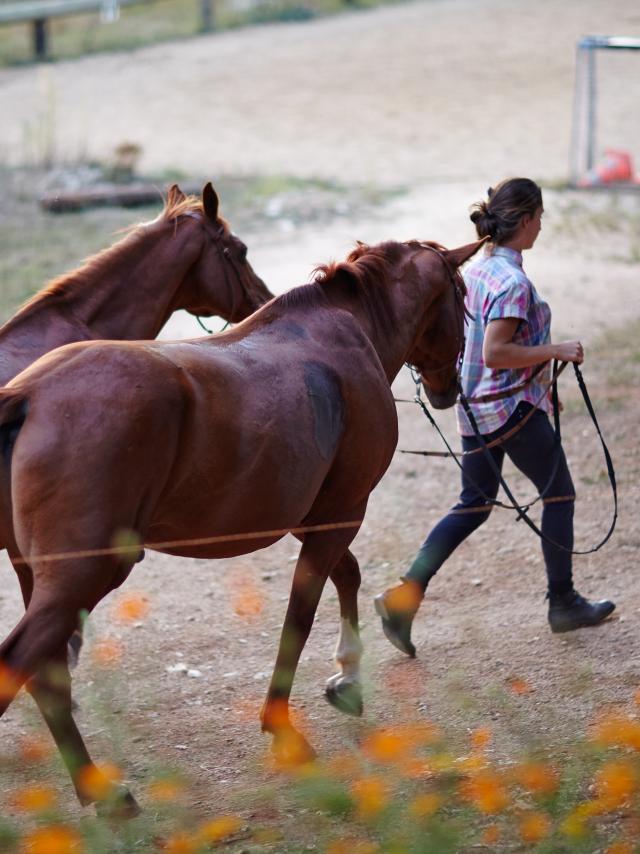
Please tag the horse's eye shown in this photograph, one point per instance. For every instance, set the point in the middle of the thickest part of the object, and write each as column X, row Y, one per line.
column 225, row 251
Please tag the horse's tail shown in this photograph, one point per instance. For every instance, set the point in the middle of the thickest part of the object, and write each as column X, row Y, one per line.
column 13, row 412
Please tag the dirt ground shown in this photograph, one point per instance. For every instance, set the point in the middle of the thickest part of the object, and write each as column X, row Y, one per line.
column 440, row 98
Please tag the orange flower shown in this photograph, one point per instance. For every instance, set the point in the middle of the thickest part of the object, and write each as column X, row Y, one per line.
column 97, row 782
column 107, row 652
column 534, row 827
column 131, row 608
column 519, row 686
column 404, row 597
column 10, row 683
column 219, row 828
column 425, row 805
column 386, row 745
column 480, row 737
column 34, row 799
column 370, row 795
column 53, row 839
column 415, row 768
column 486, row 792
column 247, row 598
column 420, row 733
column 180, row 843
column 165, row 791
column 34, row 749
column 536, row 777
column 616, row 782
column 275, row 716
column 616, row 729
column 491, row 835
column 620, row 847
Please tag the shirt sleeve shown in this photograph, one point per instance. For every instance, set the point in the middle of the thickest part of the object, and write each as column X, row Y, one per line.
column 513, row 301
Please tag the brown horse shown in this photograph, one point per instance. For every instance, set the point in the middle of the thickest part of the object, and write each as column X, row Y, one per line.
column 218, row 447
column 186, row 258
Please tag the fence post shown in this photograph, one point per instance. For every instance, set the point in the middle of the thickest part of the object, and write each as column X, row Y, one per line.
column 40, row 37
column 207, row 18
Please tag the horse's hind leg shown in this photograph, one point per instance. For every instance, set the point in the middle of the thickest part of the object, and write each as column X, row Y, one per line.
column 35, row 653
column 344, row 689
column 50, row 687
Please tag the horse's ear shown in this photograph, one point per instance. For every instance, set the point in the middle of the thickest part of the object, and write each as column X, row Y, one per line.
column 175, row 196
column 210, row 202
column 457, row 257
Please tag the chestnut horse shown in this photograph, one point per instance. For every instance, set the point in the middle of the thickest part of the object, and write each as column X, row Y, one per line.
column 217, row 447
column 185, row 258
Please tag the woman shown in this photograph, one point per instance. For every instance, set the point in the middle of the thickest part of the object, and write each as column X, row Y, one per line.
column 505, row 375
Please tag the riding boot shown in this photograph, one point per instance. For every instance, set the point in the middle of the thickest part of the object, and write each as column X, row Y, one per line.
column 397, row 607
column 569, row 611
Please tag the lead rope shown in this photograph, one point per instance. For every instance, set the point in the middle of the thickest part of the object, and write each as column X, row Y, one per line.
column 522, row 511
column 495, row 502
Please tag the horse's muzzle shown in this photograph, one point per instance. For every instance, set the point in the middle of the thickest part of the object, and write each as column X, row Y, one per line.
column 442, row 401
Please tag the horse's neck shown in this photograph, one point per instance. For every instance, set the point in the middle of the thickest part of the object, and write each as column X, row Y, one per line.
column 127, row 294
column 393, row 348
column 34, row 333
column 132, row 295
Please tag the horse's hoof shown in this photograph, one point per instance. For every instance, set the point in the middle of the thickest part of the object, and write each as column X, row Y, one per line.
column 346, row 697
column 291, row 749
column 121, row 805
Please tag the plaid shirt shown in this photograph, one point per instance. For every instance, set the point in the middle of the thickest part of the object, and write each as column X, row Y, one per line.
column 499, row 288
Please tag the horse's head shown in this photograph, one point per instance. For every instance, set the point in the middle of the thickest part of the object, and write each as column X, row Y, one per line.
column 222, row 282
column 435, row 355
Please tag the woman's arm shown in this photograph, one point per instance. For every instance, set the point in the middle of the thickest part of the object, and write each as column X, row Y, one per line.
column 500, row 351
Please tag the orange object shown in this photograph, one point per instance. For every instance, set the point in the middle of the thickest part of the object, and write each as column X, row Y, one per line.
column 616, row 166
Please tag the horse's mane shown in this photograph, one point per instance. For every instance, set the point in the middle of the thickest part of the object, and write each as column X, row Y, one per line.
column 64, row 286
column 366, row 271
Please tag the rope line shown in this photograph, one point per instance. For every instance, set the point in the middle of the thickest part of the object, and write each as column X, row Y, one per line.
column 132, row 548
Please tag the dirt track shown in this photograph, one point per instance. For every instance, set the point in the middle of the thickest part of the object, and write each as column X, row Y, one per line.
column 442, row 98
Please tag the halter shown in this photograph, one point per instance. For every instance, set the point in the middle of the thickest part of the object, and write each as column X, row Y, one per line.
column 225, row 256
column 456, row 280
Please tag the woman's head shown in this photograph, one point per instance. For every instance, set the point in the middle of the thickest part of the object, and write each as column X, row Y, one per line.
column 512, row 205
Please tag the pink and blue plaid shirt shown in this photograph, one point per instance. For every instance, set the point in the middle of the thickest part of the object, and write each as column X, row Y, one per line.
column 497, row 288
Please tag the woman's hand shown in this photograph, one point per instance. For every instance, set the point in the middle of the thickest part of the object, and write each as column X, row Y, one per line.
column 500, row 351
column 569, row 351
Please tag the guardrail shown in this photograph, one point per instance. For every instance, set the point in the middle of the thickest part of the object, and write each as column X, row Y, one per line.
column 40, row 11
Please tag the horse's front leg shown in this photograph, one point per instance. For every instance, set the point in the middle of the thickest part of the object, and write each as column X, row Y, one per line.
column 344, row 689
column 319, row 554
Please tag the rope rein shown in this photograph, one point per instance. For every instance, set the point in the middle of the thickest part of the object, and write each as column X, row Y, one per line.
column 522, row 510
